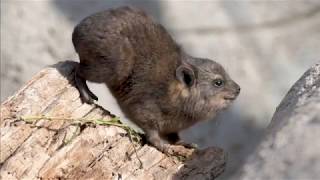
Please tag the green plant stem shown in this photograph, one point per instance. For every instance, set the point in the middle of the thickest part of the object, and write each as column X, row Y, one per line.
column 113, row 121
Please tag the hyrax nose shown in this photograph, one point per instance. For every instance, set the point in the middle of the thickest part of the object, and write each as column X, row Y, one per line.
column 237, row 88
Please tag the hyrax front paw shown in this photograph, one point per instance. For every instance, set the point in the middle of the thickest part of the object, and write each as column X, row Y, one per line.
column 187, row 145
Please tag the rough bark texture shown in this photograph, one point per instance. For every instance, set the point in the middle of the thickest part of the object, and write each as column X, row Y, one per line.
column 291, row 149
column 60, row 149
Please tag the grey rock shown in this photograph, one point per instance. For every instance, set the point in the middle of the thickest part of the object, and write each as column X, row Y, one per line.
column 291, row 148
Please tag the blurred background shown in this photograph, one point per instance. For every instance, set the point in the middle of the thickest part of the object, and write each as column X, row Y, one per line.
column 264, row 45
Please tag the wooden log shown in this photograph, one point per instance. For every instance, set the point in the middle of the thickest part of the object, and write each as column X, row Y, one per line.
column 48, row 133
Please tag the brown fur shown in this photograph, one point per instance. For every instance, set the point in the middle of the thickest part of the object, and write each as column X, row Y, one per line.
column 157, row 85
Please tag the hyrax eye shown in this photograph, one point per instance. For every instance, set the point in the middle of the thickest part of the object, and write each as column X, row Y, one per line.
column 218, row 82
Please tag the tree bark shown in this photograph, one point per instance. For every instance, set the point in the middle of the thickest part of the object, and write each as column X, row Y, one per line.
column 61, row 148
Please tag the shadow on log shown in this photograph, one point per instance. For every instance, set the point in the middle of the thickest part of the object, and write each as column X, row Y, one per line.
column 60, row 148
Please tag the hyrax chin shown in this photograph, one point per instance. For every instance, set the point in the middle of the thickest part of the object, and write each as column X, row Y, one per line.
column 157, row 85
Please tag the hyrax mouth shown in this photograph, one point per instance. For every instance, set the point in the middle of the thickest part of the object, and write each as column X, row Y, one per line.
column 233, row 94
column 230, row 98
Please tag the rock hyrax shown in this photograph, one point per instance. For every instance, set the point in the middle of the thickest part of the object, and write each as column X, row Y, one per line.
column 157, row 85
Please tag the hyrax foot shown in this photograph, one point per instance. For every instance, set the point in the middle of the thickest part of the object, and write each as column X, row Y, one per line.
column 169, row 149
column 154, row 139
column 174, row 138
column 177, row 150
column 86, row 95
column 187, row 145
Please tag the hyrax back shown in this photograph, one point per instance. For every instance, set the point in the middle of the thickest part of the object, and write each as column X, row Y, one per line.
column 157, row 85
column 117, row 41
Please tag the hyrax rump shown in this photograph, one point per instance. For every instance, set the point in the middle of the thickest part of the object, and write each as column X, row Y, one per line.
column 157, row 85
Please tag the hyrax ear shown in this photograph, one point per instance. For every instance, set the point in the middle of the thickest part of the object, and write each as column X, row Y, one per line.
column 186, row 75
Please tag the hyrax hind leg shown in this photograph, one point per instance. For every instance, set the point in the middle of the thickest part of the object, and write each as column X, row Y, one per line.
column 81, row 75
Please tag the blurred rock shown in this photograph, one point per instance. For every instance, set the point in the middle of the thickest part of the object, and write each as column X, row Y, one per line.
column 291, row 147
column 264, row 45
column 32, row 36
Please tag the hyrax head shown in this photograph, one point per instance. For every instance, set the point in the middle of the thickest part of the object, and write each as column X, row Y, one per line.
column 207, row 87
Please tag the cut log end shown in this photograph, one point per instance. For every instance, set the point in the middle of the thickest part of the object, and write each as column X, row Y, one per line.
column 61, row 144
